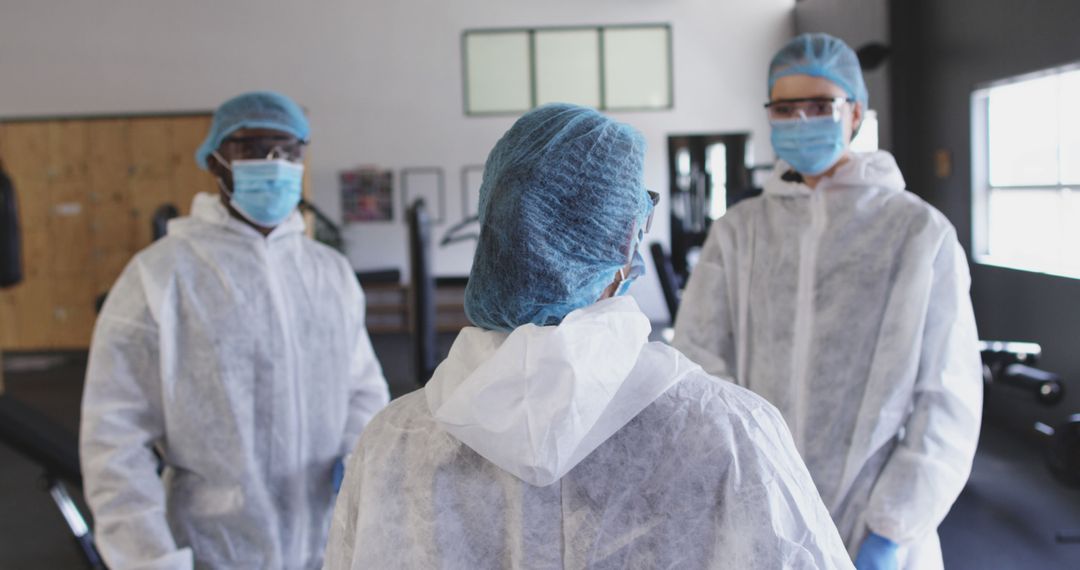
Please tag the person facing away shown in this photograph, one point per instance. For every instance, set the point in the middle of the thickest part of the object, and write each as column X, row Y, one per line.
column 843, row 300
column 235, row 349
column 555, row 435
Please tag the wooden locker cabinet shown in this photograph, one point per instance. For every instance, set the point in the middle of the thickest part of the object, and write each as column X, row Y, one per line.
column 88, row 189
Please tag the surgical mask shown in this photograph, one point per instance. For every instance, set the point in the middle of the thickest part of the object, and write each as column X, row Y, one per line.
column 811, row 145
column 637, row 269
column 265, row 192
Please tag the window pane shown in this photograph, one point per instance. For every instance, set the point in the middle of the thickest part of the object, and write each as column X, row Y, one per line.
column 497, row 69
column 1035, row 229
column 1023, row 132
column 867, row 139
column 1070, row 128
column 716, row 166
column 568, row 67
column 636, row 68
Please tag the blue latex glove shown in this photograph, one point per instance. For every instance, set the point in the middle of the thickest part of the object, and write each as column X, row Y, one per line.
column 877, row 553
column 338, row 475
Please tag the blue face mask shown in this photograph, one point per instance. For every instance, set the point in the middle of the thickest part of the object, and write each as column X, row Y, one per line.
column 637, row 269
column 266, row 191
column 811, row 146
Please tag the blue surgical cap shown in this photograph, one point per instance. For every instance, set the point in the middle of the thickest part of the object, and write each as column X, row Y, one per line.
column 821, row 55
column 561, row 204
column 255, row 110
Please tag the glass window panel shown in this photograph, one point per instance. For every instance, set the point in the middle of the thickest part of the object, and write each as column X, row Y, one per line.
column 1035, row 229
column 716, row 166
column 1023, row 226
column 637, row 70
column 497, row 71
column 568, row 67
column 682, row 161
column 1023, row 133
column 867, row 139
column 1070, row 128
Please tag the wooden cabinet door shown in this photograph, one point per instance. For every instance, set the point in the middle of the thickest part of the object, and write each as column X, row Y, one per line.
column 87, row 191
column 188, row 179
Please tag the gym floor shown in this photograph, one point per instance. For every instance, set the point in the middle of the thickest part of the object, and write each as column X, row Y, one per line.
column 1007, row 517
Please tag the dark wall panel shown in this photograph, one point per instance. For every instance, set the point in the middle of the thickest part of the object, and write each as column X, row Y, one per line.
column 943, row 49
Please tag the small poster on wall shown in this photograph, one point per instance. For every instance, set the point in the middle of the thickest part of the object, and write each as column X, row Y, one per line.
column 367, row 195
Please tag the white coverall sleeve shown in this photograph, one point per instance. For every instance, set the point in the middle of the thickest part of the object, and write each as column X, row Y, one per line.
column 121, row 422
column 931, row 464
column 705, row 325
column 368, row 392
column 341, row 544
column 775, row 518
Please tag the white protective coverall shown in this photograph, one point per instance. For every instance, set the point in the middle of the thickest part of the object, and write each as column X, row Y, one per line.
column 847, row 307
column 578, row 446
column 244, row 361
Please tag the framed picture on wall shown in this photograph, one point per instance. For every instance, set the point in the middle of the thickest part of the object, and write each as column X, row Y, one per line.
column 472, row 176
column 426, row 183
column 367, row 195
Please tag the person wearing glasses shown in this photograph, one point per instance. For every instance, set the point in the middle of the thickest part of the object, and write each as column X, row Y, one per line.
column 555, row 435
column 230, row 370
column 843, row 299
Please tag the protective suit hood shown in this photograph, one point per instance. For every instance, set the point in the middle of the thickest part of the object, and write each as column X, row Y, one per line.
column 876, row 169
column 538, row 400
column 207, row 210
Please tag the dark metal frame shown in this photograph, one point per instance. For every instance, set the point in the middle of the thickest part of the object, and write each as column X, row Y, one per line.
column 440, row 208
column 739, row 186
column 421, row 292
column 601, row 54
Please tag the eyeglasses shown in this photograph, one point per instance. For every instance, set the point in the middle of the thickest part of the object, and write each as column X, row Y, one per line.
column 654, row 197
column 258, row 147
column 788, row 109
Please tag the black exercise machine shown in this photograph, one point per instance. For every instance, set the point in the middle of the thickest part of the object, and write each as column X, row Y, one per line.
column 669, row 279
column 1013, row 365
column 421, row 292
column 56, row 451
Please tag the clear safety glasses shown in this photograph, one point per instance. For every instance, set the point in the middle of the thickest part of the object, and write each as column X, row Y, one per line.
column 655, row 198
column 260, row 147
column 808, row 108
column 630, row 248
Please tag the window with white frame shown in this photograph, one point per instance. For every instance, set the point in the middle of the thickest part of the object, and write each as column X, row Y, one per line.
column 1026, row 172
column 625, row 67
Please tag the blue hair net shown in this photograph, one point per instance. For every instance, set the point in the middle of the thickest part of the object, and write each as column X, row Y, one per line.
column 255, row 110
column 561, row 205
column 821, row 55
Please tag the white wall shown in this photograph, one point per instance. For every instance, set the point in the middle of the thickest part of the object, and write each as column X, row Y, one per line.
column 382, row 80
column 857, row 22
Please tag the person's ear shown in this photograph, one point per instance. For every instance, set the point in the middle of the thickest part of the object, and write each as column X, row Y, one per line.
column 214, row 165
column 219, row 170
column 856, row 119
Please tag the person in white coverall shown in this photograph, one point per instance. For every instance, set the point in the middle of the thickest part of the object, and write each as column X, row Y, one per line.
column 555, row 435
column 235, row 349
column 843, row 300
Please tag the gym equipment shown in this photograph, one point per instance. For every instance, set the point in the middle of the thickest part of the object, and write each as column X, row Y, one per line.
column 56, row 451
column 669, row 280
column 11, row 267
column 1013, row 364
column 421, row 292
column 159, row 224
column 1062, row 450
